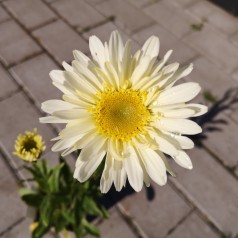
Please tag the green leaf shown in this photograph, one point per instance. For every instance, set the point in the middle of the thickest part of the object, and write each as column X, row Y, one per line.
column 91, row 229
column 46, row 210
column 40, row 231
column 91, row 207
column 30, row 197
column 54, row 179
column 69, row 216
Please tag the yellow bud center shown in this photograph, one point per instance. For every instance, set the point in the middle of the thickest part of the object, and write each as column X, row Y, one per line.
column 121, row 114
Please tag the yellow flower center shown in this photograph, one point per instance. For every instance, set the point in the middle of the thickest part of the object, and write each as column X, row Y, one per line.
column 121, row 114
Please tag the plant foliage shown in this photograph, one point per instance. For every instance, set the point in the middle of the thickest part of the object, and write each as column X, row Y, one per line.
column 61, row 202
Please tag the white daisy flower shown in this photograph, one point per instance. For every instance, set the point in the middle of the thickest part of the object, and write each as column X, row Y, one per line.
column 124, row 109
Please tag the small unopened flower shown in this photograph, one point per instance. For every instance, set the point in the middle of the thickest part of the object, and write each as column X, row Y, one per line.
column 33, row 226
column 29, row 146
column 125, row 108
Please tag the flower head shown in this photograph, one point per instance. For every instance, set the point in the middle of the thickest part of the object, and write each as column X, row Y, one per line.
column 126, row 109
column 29, row 146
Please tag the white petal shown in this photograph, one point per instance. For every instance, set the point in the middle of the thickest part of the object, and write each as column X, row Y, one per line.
column 180, row 73
column 86, row 139
column 81, row 127
column 86, row 168
column 57, row 76
column 179, row 113
column 161, row 63
column 97, row 50
column 140, row 69
column 180, row 93
column 181, row 126
column 71, row 114
column 154, row 165
column 134, row 172
column 51, row 106
column 50, row 119
column 184, row 142
column 65, row 143
column 166, row 163
column 116, row 50
column 164, row 144
column 82, row 58
column 200, row 109
column 107, row 175
column 183, row 160
column 93, row 148
column 151, row 47
column 119, row 175
column 67, row 67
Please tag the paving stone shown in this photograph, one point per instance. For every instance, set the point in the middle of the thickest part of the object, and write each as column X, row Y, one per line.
column 214, row 46
column 193, row 227
column 22, row 230
column 60, row 40
column 92, row 2
column 211, row 79
column 31, row 13
column 235, row 75
column 78, row 13
column 104, row 31
column 171, row 18
column 127, row 16
column 211, row 188
column 182, row 3
column 142, row 3
column 182, row 53
column 234, row 39
column 7, row 85
column 33, row 75
column 17, row 116
column 15, row 44
column 115, row 226
column 3, row 15
column 11, row 206
column 215, row 16
column 222, row 141
column 158, row 216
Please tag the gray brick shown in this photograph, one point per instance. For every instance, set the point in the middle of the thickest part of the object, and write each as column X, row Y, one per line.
column 92, row 2
column 78, row 13
column 60, row 40
column 235, row 75
column 3, row 15
column 142, row 3
column 114, row 227
column 17, row 116
column 211, row 188
column 211, row 79
column 215, row 16
column 193, row 227
column 22, row 230
column 182, row 53
column 33, row 75
column 222, row 142
column 31, row 13
column 104, row 32
column 214, row 46
column 173, row 19
column 15, row 44
column 182, row 3
column 234, row 39
column 157, row 216
column 11, row 206
column 127, row 16
column 7, row 85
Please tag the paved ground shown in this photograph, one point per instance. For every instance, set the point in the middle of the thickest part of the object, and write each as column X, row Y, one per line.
column 36, row 35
